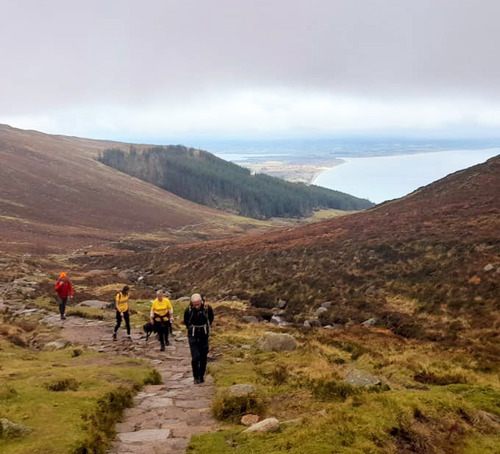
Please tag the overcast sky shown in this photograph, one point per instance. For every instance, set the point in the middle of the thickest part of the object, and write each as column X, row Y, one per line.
column 150, row 69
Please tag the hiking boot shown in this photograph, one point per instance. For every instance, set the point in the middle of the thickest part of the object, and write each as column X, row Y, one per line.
column 114, row 336
column 162, row 348
column 129, row 337
column 202, row 380
column 197, row 381
column 63, row 317
column 167, row 343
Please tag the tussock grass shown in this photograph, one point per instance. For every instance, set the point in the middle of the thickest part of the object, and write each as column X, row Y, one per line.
column 442, row 415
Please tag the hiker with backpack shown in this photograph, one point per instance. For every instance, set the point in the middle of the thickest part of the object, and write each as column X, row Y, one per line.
column 198, row 317
column 122, row 311
column 160, row 316
column 64, row 289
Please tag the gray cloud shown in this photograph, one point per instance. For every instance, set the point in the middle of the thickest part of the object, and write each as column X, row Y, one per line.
column 58, row 55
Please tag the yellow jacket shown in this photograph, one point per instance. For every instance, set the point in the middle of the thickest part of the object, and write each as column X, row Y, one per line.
column 121, row 301
column 161, row 307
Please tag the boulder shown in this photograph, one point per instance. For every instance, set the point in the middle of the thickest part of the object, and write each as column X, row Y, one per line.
column 370, row 322
column 56, row 345
column 250, row 319
column 250, row 420
column 307, row 324
column 94, row 303
column 360, row 378
column 241, row 390
column 321, row 310
column 96, row 272
column 183, row 298
column 488, row 267
column 327, row 305
column 281, row 304
column 265, row 426
column 277, row 342
column 9, row 429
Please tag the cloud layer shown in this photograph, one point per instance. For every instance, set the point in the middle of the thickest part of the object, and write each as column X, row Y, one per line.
column 250, row 67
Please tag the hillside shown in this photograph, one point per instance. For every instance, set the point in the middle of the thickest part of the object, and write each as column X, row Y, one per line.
column 203, row 178
column 425, row 265
column 55, row 196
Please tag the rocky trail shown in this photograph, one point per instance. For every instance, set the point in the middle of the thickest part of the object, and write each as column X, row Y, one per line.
column 164, row 417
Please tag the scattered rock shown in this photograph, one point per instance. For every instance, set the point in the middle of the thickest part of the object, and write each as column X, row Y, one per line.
column 250, row 319
column 307, row 324
column 183, row 298
column 265, row 426
column 281, row 304
column 250, row 420
column 371, row 291
column 327, row 305
column 9, row 429
column 321, row 310
column 370, row 322
column 360, row 378
column 488, row 267
column 241, row 390
column 94, row 303
column 55, row 345
column 334, row 326
column 277, row 342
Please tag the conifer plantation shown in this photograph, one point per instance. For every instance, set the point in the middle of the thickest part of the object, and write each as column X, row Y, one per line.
column 203, row 178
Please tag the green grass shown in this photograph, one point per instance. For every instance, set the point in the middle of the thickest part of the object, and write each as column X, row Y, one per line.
column 56, row 417
column 403, row 415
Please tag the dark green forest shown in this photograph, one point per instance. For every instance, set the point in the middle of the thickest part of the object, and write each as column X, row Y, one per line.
column 201, row 177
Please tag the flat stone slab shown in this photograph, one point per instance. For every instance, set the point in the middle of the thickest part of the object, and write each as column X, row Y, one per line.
column 144, row 436
column 199, row 403
column 357, row 377
column 159, row 402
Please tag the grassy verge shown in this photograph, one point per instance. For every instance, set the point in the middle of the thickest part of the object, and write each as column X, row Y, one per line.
column 433, row 400
column 75, row 418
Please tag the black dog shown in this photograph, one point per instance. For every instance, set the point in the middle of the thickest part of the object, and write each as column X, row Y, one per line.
column 148, row 329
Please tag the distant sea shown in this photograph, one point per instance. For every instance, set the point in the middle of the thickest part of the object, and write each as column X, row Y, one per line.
column 374, row 169
column 385, row 178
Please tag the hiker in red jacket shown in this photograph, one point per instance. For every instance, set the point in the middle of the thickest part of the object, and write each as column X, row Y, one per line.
column 63, row 290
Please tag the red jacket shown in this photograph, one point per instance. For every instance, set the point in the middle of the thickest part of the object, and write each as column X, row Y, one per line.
column 64, row 289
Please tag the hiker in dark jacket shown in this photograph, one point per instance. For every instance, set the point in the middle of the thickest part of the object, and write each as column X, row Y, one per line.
column 198, row 318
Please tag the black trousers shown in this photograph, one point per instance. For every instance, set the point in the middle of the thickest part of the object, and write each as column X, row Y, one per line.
column 162, row 329
column 126, row 317
column 199, row 352
column 62, row 305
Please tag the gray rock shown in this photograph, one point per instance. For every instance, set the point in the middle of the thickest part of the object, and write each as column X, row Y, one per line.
column 250, row 319
column 9, row 429
column 370, row 322
column 241, row 390
column 321, row 310
column 56, row 345
column 183, row 298
column 265, row 426
column 281, row 304
column 360, row 378
column 276, row 319
column 144, row 436
column 277, row 342
column 126, row 275
column 488, row 267
column 327, row 305
column 94, row 303
column 307, row 324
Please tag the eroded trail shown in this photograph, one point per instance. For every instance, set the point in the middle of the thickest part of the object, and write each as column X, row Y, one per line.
column 164, row 417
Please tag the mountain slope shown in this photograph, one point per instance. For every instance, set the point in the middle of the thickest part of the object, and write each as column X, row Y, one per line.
column 201, row 177
column 55, row 194
column 431, row 257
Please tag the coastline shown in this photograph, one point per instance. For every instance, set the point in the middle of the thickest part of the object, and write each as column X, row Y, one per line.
column 298, row 172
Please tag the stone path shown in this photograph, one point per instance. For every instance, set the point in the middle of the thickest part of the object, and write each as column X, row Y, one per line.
column 164, row 417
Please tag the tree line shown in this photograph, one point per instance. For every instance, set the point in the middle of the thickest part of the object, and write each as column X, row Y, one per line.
column 204, row 178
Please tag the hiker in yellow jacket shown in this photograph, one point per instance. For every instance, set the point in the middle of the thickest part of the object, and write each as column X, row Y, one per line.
column 121, row 305
column 161, row 315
